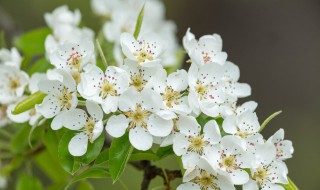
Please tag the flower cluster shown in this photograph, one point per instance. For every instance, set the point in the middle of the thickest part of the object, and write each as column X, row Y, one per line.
column 195, row 111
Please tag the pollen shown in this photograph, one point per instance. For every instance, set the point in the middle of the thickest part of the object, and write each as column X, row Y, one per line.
column 107, row 88
column 201, row 89
column 206, row 181
column 197, row 144
column 138, row 82
column 137, row 117
column 88, row 128
column 171, row 97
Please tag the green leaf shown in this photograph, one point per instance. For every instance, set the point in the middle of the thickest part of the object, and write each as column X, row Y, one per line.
column 69, row 163
column 93, row 150
column 163, row 152
column 32, row 42
column 28, row 182
column 290, row 185
column 119, row 154
column 29, row 102
column 20, row 140
column 139, row 23
column 263, row 125
column 92, row 172
column 143, row 155
column 85, row 185
column 40, row 66
column 103, row 158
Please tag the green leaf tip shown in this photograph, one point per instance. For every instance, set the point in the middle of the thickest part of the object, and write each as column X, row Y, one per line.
column 139, row 23
column 263, row 125
column 290, row 185
column 29, row 102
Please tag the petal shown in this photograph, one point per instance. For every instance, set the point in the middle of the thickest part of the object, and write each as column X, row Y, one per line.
column 233, row 144
column 159, row 127
column 166, row 114
column 188, row 125
column 190, row 160
column 277, row 137
column 94, row 110
column 152, row 101
column 229, row 125
column 272, row 186
column 117, row 125
column 211, row 132
column 178, row 80
column 34, row 81
column 265, row 153
column 251, row 105
column 129, row 99
column 188, row 186
column 75, row 119
column 110, row 104
column 239, row 177
column 78, row 144
column 242, row 90
column 193, row 102
column 19, row 118
column 180, row 144
column 250, row 185
column 97, row 130
column 49, row 107
column 50, row 86
column 140, row 138
column 57, row 122
column 129, row 45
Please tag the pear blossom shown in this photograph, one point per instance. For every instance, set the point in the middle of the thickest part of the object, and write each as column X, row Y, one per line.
column 284, row 149
column 139, row 116
column 207, row 50
column 145, row 51
column 191, row 143
column 172, row 89
column 203, row 177
column 104, row 7
column 61, row 96
column 10, row 57
column 268, row 172
column 62, row 16
column 12, row 83
column 229, row 159
column 89, row 126
column 104, row 88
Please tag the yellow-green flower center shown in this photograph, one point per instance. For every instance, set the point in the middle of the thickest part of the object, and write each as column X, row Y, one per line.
column 206, row 181
column 197, row 144
column 171, row 97
column 137, row 117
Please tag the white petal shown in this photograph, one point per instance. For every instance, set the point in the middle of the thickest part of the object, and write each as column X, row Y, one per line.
column 75, row 119
column 129, row 99
column 251, row 105
column 239, row 177
column 34, row 81
column 251, row 185
column 180, row 144
column 94, row 110
column 159, row 127
column 19, row 118
column 78, row 144
column 110, row 104
column 178, row 80
column 229, row 125
column 166, row 114
column 242, row 90
column 58, row 121
column 117, row 125
column 211, row 132
column 188, row 125
column 272, row 186
column 152, row 101
column 189, row 186
column 265, row 153
column 49, row 107
column 97, row 130
column 50, row 86
column 233, row 144
column 140, row 138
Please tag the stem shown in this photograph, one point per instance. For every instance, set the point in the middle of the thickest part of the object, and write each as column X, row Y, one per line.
column 103, row 58
column 123, row 184
column 263, row 125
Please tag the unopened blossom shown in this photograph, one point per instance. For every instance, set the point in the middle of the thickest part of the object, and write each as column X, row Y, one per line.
column 284, row 149
column 173, row 91
column 207, row 50
column 245, row 125
column 89, row 125
column 230, row 158
column 145, row 51
column 191, row 143
column 12, row 83
column 61, row 96
column 10, row 57
column 62, row 16
column 139, row 116
column 268, row 172
column 204, row 177
column 104, row 87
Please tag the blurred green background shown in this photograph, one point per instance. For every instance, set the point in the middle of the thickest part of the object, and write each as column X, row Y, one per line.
column 276, row 44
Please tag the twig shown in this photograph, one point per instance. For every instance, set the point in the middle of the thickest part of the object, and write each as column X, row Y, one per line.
column 151, row 172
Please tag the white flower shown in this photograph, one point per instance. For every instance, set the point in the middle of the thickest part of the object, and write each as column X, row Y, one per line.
column 12, row 83
column 62, row 15
column 89, row 126
column 284, row 149
column 61, row 96
column 190, row 143
column 11, row 58
column 230, row 158
column 207, row 50
column 139, row 116
column 172, row 90
column 145, row 51
column 104, row 7
column 268, row 171
column 246, row 126
column 206, row 93
column 203, row 177
column 104, row 88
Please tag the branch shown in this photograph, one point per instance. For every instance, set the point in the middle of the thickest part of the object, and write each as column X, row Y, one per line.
column 151, row 172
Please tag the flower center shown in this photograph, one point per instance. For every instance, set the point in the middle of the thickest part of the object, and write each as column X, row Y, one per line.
column 14, row 83
column 138, row 82
column 76, row 76
column 197, row 144
column 107, row 88
column 206, row 57
column 65, row 99
column 144, row 54
column 229, row 163
column 206, row 181
column 137, row 117
column 260, row 175
column 201, row 89
column 242, row 134
column 171, row 97
column 88, row 128
column 33, row 112
column 74, row 60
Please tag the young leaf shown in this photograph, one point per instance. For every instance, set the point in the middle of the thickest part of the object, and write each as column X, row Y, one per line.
column 102, row 158
column 28, row 182
column 93, row 150
column 29, row 102
column 92, row 172
column 290, row 185
column 139, row 23
column 119, row 154
column 68, row 162
column 143, row 155
column 163, row 152
column 32, row 42
column 263, row 125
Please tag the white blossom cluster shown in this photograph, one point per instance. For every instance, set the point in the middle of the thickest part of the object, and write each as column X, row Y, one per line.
column 121, row 16
column 139, row 97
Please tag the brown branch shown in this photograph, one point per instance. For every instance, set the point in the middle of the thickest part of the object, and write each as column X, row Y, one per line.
column 152, row 171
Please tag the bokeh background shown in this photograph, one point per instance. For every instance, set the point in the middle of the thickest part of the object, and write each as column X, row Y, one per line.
column 276, row 44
